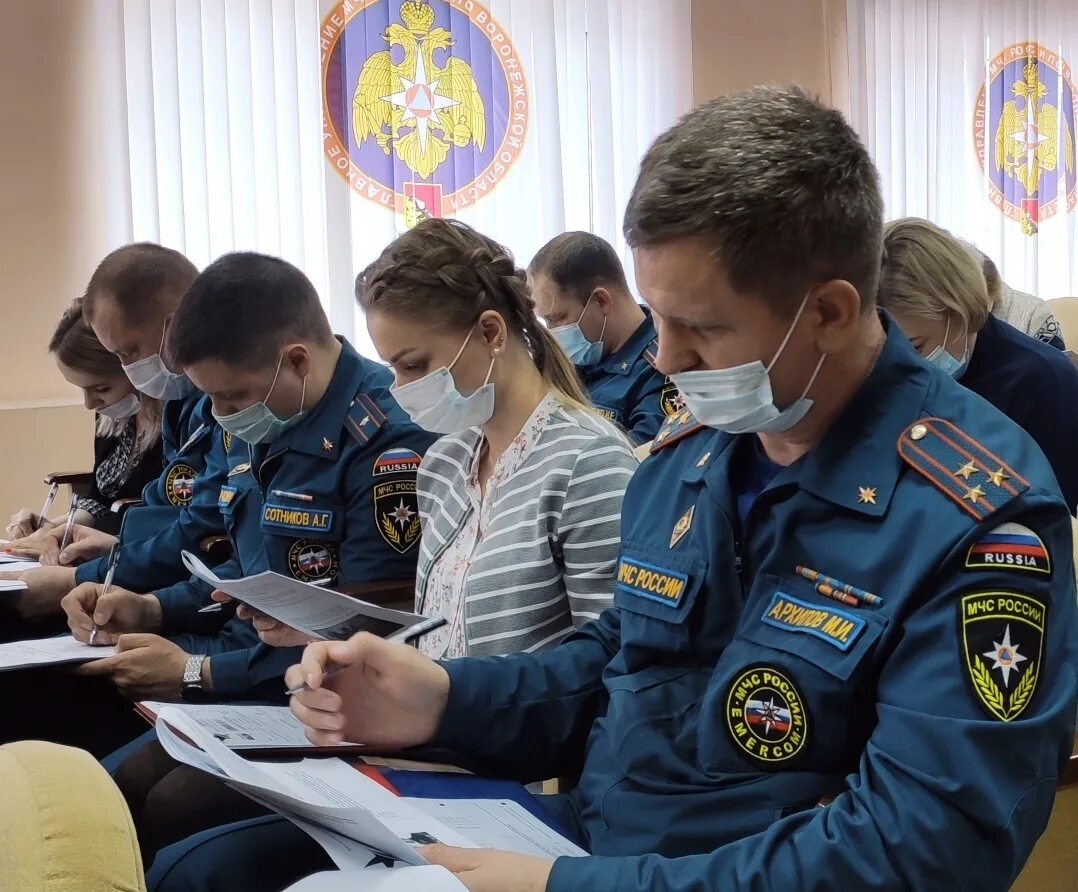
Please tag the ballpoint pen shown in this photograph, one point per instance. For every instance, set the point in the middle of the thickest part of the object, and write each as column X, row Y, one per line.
column 114, row 559
column 69, row 526
column 44, row 516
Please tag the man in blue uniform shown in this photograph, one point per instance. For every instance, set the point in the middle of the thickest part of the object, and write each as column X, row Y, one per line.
column 321, row 481
column 581, row 294
column 841, row 654
column 129, row 300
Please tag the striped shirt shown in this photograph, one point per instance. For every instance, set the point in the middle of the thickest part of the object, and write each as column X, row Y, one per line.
column 547, row 535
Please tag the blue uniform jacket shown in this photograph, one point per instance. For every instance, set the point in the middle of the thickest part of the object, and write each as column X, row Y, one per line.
column 180, row 507
column 628, row 390
column 1035, row 386
column 334, row 498
column 724, row 696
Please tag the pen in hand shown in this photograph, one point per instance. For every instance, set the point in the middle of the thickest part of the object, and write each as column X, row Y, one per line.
column 44, row 517
column 69, row 526
column 114, row 559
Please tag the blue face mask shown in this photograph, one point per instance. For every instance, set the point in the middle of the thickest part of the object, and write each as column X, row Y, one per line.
column 257, row 423
column 577, row 347
column 944, row 361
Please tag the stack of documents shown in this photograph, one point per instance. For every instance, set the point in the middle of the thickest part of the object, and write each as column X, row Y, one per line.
column 315, row 611
column 355, row 819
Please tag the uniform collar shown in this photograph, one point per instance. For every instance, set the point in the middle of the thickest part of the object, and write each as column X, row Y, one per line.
column 319, row 433
column 621, row 361
column 857, row 464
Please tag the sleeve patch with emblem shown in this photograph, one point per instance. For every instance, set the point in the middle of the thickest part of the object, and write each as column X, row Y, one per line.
column 397, row 461
column 1010, row 546
column 396, row 514
column 671, row 400
column 1002, row 648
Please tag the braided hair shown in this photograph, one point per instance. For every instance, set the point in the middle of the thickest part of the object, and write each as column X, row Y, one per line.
column 447, row 274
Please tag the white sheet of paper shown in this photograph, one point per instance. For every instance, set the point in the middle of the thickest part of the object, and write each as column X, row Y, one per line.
column 499, row 824
column 13, row 585
column 245, row 727
column 12, row 564
column 325, row 792
column 316, row 611
column 400, row 879
column 49, row 652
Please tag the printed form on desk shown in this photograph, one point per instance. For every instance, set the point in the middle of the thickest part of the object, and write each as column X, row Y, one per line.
column 355, row 819
column 49, row 652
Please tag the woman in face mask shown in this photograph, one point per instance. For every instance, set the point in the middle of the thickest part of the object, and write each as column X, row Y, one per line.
column 934, row 286
column 520, row 501
column 127, row 442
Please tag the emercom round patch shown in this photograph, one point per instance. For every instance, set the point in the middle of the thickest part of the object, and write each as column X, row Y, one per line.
column 766, row 715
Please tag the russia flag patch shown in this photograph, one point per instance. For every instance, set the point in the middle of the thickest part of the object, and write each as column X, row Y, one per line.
column 1010, row 546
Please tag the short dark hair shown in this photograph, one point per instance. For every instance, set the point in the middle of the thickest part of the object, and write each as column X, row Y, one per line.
column 779, row 183
column 140, row 278
column 243, row 309
column 579, row 262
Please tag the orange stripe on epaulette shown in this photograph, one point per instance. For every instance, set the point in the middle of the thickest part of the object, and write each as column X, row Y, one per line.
column 675, row 428
column 970, row 475
column 651, row 353
column 364, row 419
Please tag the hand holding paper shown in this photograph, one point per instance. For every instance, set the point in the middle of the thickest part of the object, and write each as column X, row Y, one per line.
column 383, row 693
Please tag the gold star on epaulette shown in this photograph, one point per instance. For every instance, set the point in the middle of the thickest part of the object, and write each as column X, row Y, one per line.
column 966, row 471
column 703, row 459
column 866, row 495
column 663, row 434
column 327, row 445
column 974, row 495
column 997, row 477
column 624, row 366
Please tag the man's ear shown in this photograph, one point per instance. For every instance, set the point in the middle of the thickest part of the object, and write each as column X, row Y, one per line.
column 603, row 299
column 837, row 305
column 298, row 356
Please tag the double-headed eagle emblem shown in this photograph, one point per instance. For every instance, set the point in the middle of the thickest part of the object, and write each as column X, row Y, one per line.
column 1027, row 141
column 416, row 108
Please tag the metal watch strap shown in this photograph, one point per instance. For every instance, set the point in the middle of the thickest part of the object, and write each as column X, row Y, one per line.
column 192, row 672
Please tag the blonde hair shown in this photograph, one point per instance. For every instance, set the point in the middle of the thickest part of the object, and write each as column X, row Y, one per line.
column 446, row 274
column 929, row 274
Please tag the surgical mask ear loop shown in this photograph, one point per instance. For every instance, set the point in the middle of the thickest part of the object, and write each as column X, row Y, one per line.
column 789, row 333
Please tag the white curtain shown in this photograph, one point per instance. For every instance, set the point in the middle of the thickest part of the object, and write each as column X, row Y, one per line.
column 212, row 114
column 916, row 73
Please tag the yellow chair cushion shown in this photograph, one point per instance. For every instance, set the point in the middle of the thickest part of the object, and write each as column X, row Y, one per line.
column 64, row 827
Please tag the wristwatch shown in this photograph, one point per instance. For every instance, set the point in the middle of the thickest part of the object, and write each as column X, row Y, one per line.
column 191, row 690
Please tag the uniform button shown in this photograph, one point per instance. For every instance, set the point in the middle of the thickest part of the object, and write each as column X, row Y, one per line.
column 918, row 432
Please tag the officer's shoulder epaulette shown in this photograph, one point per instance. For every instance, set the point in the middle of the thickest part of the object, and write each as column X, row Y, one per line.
column 365, row 418
column 973, row 478
column 651, row 352
column 676, row 428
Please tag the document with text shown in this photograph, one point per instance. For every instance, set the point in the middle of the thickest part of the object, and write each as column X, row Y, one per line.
column 316, row 611
column 352, row 816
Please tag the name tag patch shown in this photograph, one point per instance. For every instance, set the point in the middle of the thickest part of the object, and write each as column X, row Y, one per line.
column 1010, row 546
column 654, row 583
column 837, row 627
column 609, row 414
column 227, row 494
column 285, row 517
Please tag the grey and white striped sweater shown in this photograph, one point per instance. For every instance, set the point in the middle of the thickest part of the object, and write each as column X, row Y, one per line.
column 545, row 564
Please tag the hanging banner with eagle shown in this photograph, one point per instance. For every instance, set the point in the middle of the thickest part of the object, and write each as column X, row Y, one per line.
column 1024, row 131
column 425, row 103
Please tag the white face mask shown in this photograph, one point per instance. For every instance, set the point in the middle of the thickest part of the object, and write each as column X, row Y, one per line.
column 125, row 408
column 738, row 400
column 573, row 341
column 434, row 403
column 942, row 358
column 155, row 379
